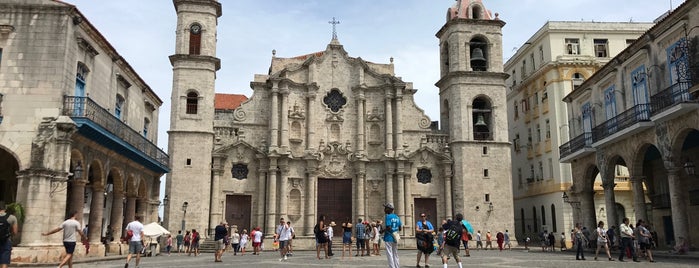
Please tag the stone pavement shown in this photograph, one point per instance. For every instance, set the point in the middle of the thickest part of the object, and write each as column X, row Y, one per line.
column 489, row 258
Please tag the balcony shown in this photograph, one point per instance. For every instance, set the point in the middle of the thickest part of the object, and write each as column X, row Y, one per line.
column 672, row 102
column 622, row 126
column 577, row 147
column 98, row 124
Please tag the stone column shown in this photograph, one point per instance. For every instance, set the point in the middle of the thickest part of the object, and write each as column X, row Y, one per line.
column 361, row 195
column 141, row 208
column 447, row 190
column 271, row 197
column 389, row 124
column 310, row 132
column 400, row 203
column 77, row 197
column 283, row 193
column 408, row 227
column 678, row 204
column 310, row 198
column 285, row 120
column 361, row 129
column 117, row 217
column 389, row 186
column 44, row 205
column 639, row 197
column 261, row 189
column 96, row 210
column 587, row 206
column 399, row 122
column 130, row 207
column 274, row 129
column 610, row 202
column 215, row 202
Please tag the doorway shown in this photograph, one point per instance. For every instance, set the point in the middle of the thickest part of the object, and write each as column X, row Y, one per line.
column 335, row 202
column 238, row 209
column 429, row 207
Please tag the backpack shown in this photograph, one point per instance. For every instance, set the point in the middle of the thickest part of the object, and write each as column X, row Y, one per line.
column 4, row 228
column 453, row 235
column 196, row 238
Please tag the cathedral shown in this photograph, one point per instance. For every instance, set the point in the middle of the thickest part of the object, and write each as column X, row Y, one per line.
column 330, row 134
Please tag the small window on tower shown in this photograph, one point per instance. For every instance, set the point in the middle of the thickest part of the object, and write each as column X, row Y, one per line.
column 195, row 39
column 485, row 172
column 485, row 150
column 189, row 161
column 192, row 103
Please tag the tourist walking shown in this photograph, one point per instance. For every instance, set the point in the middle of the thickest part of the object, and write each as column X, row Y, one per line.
column 626, row 234
column 135, row 230
column 289, row 249
column 488, row 240
column 375, row 240
column 244, row 238
column 359, row 235
column 70, row 227
column 282, row 235
column 563, row 241
column 168, row 244
column 220, row 233
column 195, row 243
column 8, row 228
column 508, row 244
column 424, row 238
column 644, row 237
column 602, row 240
column 580, row 242
column 479, row 241
column 452, row 240
column 392, row 227
column 179, row 238
column 235, row 240
column 500, row 238
column 188, row 242
column 256, row 240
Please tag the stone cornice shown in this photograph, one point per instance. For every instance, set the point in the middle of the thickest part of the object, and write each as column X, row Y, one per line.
column 215, row 4
column 455, row 74
column 457, row 21
column 195, row 58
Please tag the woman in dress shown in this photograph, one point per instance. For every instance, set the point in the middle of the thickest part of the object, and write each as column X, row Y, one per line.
column 602, row 240
column 243, row 241
column 321, row 239
column 347, row 237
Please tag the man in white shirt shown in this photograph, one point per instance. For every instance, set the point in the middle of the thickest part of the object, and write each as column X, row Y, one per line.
column 283, row 234
column 626, row 234
column 135, row 243
column 330, row 238
column 70, row 227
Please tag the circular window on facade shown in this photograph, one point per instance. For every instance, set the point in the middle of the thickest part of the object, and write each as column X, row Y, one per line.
column 334, row 100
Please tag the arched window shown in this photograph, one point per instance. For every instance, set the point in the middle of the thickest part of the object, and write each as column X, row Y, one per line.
column 192, row 103
column 482, row 122
column 524, row 221
column 543, row 215
column 479, row 54
column 445, row 58
column 146, row 125
column 119, row 106
column 194, row 39
column 477, row 12
column 536, row 222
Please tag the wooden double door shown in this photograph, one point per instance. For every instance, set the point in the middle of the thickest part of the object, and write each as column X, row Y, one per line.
column 335, row 202
column 238, row 210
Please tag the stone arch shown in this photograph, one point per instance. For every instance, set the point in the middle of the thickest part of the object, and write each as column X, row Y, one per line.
column 131, row 185
column 95, row 174
column 482, row 113
column 611, row 167
column 476, row 11
column 115, row 178
column 142, row 189
column 686, row 140
column 588, row 180
column 8, row 179
column 479, row 42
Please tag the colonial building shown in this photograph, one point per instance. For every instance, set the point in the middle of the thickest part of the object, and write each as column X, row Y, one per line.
column 640, row 111
column 548, row 66
column 330, row 134
column 78, row 130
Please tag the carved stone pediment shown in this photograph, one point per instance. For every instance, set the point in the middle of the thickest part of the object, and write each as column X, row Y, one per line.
column 335, row 158
column 297, row 112
column 374, row 115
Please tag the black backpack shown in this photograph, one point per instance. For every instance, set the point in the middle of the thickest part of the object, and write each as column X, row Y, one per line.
column 453, row 235
column 4, row 228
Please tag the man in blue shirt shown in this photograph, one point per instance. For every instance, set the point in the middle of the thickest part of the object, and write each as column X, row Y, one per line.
column 423, row 235
column 360, row 230
column 393, row 225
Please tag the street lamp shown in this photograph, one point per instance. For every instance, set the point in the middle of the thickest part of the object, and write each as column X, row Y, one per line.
column 184, row 209
column 78, row 171
column 689, row 167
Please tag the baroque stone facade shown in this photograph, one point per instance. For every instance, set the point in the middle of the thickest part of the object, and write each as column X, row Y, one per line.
column 330, row 134
column 78, row 129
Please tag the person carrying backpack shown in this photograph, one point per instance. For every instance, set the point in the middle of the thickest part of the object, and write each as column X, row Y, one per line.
column 452, row 240
column 8, row 228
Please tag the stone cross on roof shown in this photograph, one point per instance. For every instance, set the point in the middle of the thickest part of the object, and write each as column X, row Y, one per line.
column 334, row 22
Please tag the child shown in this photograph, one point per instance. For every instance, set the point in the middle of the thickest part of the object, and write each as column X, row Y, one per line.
column 243, row 241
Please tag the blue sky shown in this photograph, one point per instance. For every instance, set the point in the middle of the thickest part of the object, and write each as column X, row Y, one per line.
column 143, row 32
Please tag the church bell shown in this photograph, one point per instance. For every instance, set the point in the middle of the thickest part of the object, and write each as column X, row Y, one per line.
column 480, row 122
column 477, row 55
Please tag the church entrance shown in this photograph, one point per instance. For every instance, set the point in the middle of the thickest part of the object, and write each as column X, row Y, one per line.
column 335, row 202
column 429, row 207
column 238, row 209
column 8, row 177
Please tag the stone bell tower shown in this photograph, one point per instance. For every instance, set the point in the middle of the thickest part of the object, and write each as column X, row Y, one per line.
column 473, row 111
column 191, row 133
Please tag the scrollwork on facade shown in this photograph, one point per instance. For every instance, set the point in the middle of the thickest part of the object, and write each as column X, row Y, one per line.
column 297, row 112
column 239, row 114
column 338, row 155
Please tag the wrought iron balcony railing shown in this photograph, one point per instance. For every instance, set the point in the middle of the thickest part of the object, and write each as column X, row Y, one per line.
column 576, row 144
column 671, row 96
column 638, row 113
column 85, row 107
